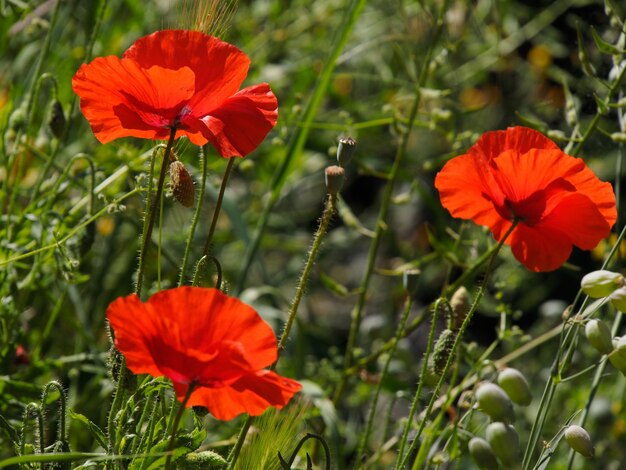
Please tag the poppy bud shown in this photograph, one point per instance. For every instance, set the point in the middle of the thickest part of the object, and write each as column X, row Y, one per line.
column 183, row 189
column 204, row 459
column 579, row 440
column 481, row 452
column 334, row 179
column 598, row 284
column 345, row 150
column 515, row 385
column 495, row 402
column 57, row 122
column 442, row 350
column 460, row 303
column 599, row 336
column 410, row 280
column 618, row 299
column 504, row 442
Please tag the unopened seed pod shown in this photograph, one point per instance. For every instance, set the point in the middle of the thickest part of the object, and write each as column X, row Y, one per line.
column 579, row 440
column 598, row 284
column 183, row 189
column 599, row 336
column 481, row 452
column 618, row 355
column 494, row 402
column 515, row 385
column 504, row 442
column 345, row 150
column 460, row 303
column 618, row 299
column 335, row 176
column 204, row 459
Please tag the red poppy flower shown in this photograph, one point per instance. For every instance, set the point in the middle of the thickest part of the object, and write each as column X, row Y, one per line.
column 202, row 336
column 521, row 174
column 182, row 79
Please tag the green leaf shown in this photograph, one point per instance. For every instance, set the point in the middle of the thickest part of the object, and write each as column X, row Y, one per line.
column 604, row 46
column 93, row 427
column 10, row 430
column 333, row 285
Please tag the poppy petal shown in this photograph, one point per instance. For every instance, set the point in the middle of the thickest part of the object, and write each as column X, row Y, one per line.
column 212, row 318
column 121, row 99
column 241, row 123
column 252, row 394
column 521, row 139
column 219, row 68
column 547, row 245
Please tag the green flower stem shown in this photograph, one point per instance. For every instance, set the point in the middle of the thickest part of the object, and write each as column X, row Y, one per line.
column 218, row 206
column 357, row 312
column 329, row 210
column 403, row 458
column 418, row 393
column 298, row 140
column 383, row 375
column 179, row 415
column 152, row 210
column 196, row 217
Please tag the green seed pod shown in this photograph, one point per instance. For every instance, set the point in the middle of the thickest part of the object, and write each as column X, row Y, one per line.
column 442, row 350
column 504, row 442
column 495, row 402
column 205, row 459
column 481, row 452
column 598, row 284
column 618, row 355
column 618, row 299
column 345, row 150
column 515, row 385
column 579, row 440
column 460, row 303
column 335, row 176
column 599, row 336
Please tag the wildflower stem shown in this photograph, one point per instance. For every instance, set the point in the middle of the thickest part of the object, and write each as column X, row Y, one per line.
column 357, row 312
column 457, row 341
column 179, row 415
column 196, row 217
column 396, row 339
column 152, row 209
column 329, row 210
column 218, row 206
column 418, row 393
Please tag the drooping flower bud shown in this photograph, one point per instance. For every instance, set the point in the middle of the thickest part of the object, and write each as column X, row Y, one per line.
column 183, row 189
column 460, row 303
column 204, row 459
column 335, row 176
column 618, row 299
column 504, row 442
column 598, row 284
column 442, row 350
column 494, row 402
column 481, row 452
column 579, row 440
column 57, row 122
column 345, row 150
column 515, row 385
column 599, row 336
